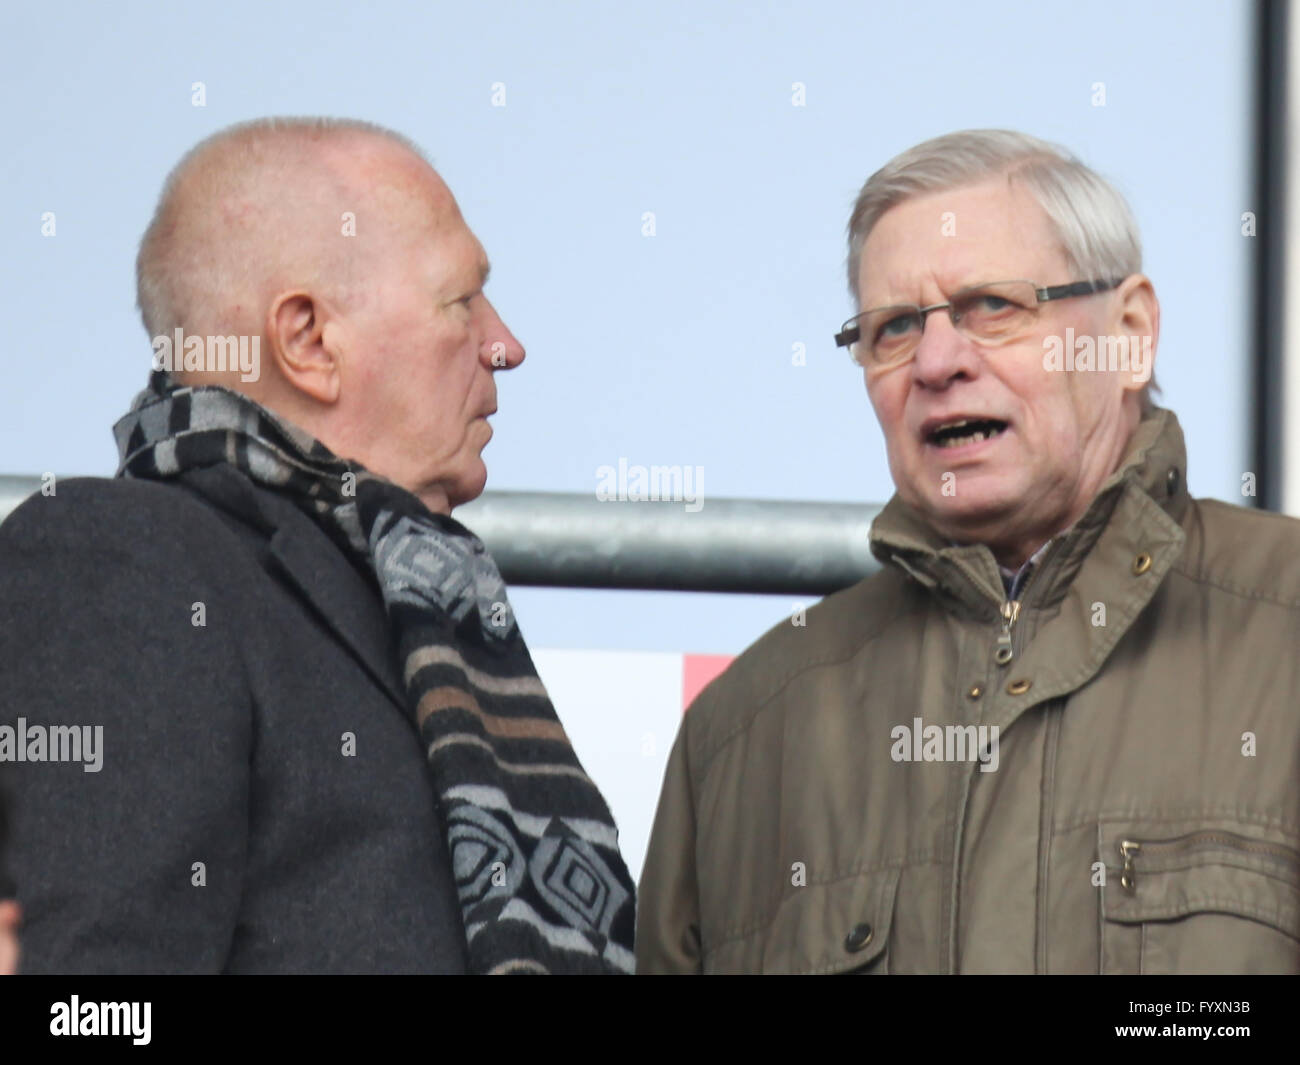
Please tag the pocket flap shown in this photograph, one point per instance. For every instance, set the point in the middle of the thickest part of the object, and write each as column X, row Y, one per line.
column 1166, row 869
column 833, row 927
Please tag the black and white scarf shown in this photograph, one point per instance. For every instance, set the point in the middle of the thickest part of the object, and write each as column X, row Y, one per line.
column 533, row 846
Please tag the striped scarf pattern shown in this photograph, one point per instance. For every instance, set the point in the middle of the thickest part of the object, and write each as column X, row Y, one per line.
column 534, row 849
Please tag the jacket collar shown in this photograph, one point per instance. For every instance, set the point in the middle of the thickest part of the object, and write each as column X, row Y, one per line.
column 1147, row 491
column 319, row 572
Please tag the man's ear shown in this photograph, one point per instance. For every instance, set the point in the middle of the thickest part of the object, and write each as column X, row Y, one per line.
column 305, row 357
column 1138, row 316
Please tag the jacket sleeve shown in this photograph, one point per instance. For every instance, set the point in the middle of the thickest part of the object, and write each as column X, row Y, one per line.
column 668, row 907
column 136, row 865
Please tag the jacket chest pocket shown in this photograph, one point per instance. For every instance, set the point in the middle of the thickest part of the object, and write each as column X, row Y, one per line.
column 839, row 927
column 1210, row 896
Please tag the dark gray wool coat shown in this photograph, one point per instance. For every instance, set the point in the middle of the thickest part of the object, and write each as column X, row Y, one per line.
column 262, row 802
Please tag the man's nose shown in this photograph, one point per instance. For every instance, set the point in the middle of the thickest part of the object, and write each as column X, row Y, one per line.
column 943, row 353
column 500, row 350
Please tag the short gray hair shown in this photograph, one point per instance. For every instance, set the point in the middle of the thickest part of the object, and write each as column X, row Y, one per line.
column 172, row 279
column 1097, row 230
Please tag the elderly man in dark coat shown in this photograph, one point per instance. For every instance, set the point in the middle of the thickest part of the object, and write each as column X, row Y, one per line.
column 308, row 733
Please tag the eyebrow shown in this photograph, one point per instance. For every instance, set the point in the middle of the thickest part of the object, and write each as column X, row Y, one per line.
column 902, row 302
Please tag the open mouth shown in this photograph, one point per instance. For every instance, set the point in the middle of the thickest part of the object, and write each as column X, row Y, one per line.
column 964, row 431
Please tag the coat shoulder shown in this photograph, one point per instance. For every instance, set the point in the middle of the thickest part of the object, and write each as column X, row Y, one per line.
column 137, row 535
column 112, row 508
column 1252, row 553
column 830, row 633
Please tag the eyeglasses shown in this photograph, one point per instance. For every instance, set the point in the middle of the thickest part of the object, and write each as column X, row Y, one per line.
column 992, row 313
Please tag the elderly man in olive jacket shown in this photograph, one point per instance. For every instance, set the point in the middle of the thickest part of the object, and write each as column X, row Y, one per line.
column 1057, row 733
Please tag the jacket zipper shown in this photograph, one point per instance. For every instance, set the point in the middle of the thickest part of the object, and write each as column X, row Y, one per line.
column 1010, row 612
column 1010, row 608
column 1129, row 849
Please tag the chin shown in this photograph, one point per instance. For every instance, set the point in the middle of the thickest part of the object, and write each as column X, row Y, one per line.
column 467, row 487
column 974, row 518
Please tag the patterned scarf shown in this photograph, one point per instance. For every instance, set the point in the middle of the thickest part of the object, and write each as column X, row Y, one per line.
column 533, row 846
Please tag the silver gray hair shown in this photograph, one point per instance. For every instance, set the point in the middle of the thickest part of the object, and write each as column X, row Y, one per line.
column 1096, row 228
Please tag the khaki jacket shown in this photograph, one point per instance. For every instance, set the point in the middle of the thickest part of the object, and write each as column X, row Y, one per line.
column 1138, row 812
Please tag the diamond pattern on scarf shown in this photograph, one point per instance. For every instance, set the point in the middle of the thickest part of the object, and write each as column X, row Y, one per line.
column 420, row 565
column 484, row 857
column 574, row 880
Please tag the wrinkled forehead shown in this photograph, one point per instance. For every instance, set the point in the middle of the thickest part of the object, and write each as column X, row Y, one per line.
column 927, row 247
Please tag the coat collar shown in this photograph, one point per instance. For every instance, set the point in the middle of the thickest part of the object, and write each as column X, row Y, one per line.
column 349, row 606
column 1142, row 502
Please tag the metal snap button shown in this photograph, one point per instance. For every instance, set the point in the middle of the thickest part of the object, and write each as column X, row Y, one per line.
column 858, row 938
column 1018, row 687
column 1172, row 480
column 1141, row 564
column 975, row 692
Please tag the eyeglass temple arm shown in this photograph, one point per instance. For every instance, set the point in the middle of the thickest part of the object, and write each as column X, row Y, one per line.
column 1077, row 288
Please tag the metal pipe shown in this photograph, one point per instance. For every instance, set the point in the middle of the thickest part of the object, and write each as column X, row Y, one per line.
column 13, row 490
column 1276, row 289
column 728, row 545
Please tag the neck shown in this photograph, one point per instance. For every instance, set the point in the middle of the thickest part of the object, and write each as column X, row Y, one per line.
column 1014, row 559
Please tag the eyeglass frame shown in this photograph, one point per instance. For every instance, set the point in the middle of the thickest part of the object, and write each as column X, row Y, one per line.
column 1042, row 294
